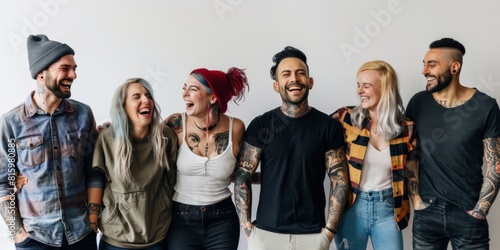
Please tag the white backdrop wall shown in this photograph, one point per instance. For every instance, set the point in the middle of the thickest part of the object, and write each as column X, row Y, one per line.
column 162, row 41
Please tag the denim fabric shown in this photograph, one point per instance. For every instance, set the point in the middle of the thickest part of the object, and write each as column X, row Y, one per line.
column 54, row 151
column 204, row 227
column 372, row 215
column 87, row 243
column 443, row 222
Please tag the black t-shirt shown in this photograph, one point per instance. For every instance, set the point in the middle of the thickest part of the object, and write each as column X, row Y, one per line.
column 450, row 145
column 292, row 197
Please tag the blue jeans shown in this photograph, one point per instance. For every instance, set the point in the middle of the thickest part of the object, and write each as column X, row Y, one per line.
column 103, row 245
column 371, row 215
column 88, row 242
column 443, row 222
column 204, row 227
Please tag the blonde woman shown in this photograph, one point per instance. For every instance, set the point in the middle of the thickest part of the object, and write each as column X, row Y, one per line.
column 378, row 136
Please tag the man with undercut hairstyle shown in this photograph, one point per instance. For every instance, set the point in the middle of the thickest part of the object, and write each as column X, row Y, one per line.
column 456, row 127
column 49, row 140
column 295, row 145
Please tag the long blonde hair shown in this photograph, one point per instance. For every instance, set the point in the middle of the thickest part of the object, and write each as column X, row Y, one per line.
column 390, row 109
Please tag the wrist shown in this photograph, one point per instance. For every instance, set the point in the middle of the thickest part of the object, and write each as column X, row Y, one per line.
column 331, row 230
column 94, row 208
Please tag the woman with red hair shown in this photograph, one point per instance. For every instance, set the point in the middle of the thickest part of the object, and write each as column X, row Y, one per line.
column 204, row 216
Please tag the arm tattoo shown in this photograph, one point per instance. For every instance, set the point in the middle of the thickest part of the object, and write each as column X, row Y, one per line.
column 247, row 164
column 175, row 123
column 94, row 208
column 336, row 165
column 411, row 174
column 10, row 214
column 491, row 181
column 221, row 142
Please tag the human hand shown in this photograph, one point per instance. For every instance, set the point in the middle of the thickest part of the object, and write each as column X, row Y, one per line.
column 103, row 126
column 21, row 180
column 21, row 236
column 478, row 214
column 93, row 218
column 247, row 228
column 420, row 205
column 329, row 235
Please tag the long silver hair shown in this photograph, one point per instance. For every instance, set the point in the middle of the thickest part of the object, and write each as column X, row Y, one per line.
column 122, row 129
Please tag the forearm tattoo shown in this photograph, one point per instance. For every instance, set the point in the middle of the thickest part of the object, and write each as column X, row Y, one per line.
column 411, row 171
column 243, row 198
column 491, row 181
column 10, row 215
column 248, row 162
column 337, row 172
column 94, row 208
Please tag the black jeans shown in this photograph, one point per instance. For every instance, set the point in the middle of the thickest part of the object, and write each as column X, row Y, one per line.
column 204, row 227
column 443, row 222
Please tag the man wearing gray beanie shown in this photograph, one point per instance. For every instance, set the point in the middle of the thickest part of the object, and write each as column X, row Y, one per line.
column 47, row 142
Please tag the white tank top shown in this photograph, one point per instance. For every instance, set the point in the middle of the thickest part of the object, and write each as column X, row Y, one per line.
column 377, row 173
column 202, row 181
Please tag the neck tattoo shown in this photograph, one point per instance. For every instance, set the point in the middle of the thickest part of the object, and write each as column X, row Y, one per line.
column 209, row 127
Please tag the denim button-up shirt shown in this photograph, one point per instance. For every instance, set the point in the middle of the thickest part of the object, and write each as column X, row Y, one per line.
column 54, row 151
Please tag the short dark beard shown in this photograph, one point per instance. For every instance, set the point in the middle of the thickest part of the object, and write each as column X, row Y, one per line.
column 442, row 82
column 284, row 95
column 55, row 87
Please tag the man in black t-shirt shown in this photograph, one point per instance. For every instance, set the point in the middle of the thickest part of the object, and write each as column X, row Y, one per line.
column 456, row 126
column 295, row 145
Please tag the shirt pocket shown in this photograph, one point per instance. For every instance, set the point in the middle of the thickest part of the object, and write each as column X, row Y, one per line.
column 30, row 150
column 78, row 144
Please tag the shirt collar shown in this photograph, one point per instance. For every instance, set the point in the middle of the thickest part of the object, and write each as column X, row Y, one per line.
column 32, row 108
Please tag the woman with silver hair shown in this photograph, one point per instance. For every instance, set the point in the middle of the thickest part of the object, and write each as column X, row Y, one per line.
column 378, row 138
column 204, row 216
column 137, row 155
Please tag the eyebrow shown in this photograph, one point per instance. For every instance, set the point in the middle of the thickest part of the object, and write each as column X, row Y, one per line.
column 190, row 86
column 429, row 61
column 68, row 66
column 289, row 70
column 365, row 83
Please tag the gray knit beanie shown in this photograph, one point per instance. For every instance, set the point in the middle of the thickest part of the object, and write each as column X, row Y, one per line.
column 43, row 52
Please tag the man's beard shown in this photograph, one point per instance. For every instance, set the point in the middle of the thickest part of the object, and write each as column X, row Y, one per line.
column 55, row 87
column 442, row 82
column 286, row 97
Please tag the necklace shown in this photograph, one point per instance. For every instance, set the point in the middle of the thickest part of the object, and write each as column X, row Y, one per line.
column 209, row 127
